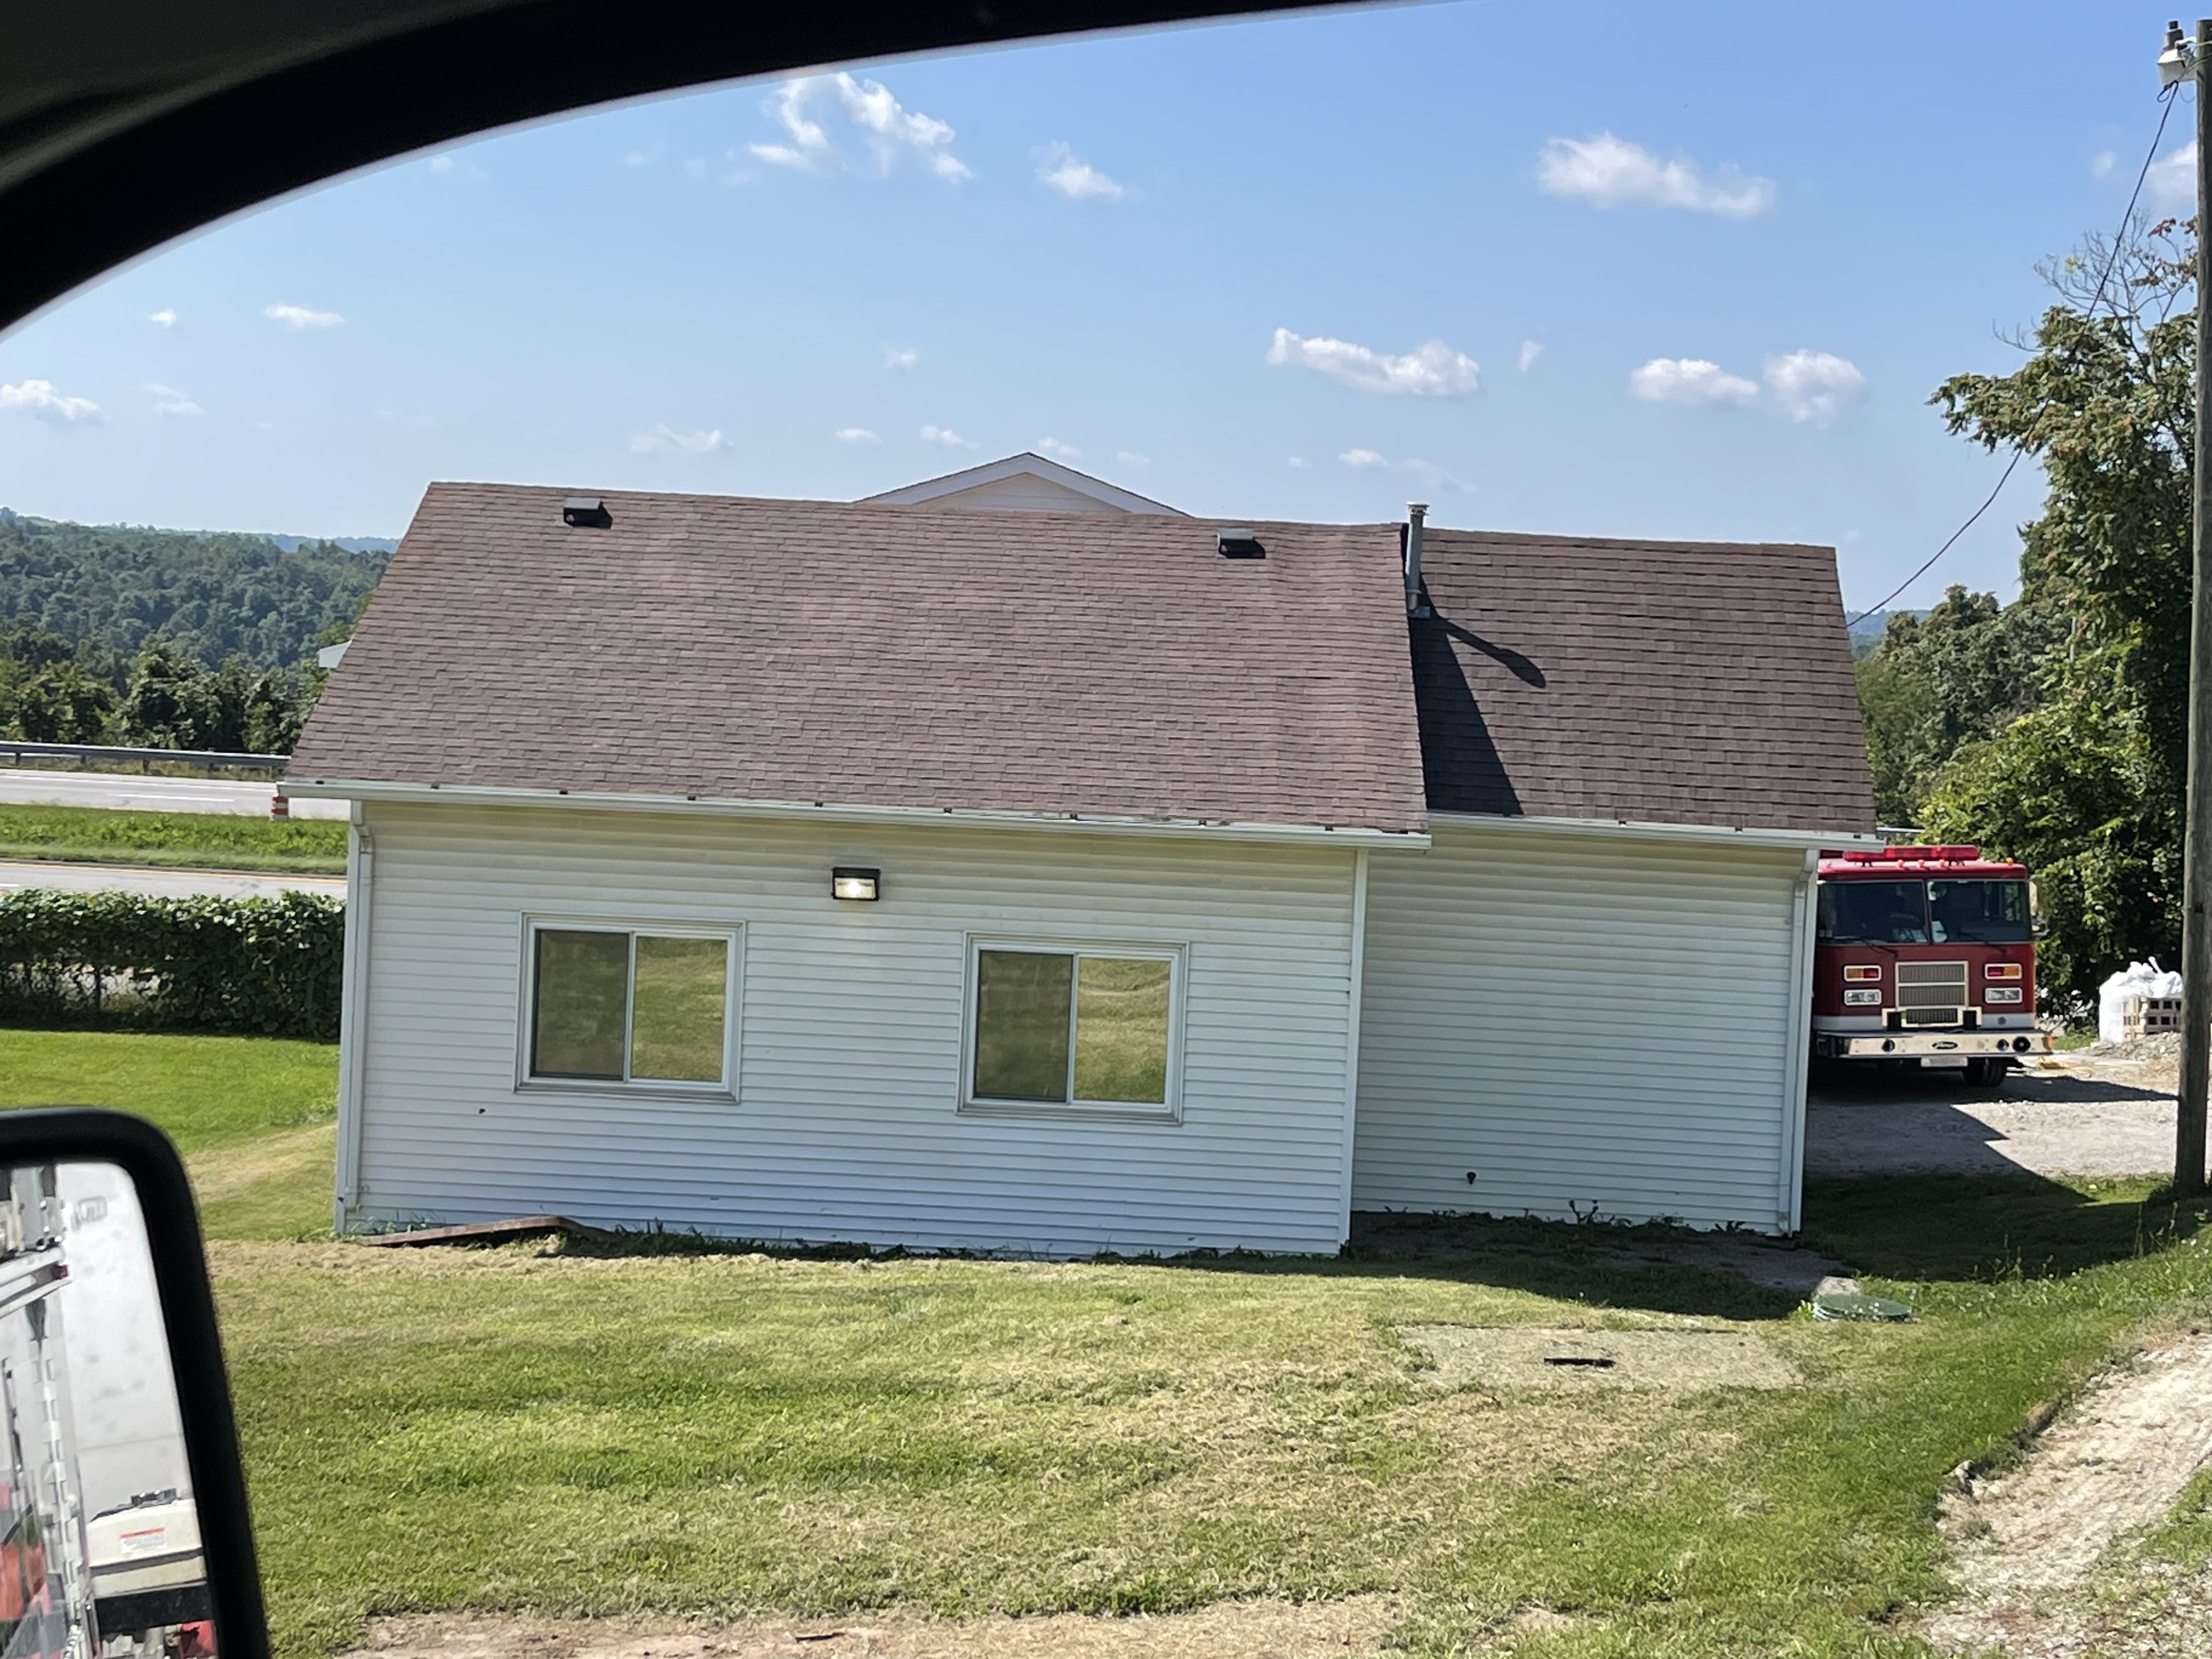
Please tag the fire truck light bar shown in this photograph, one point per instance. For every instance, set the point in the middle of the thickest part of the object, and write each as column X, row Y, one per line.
column 2000, row 971
column 1946, row 855
column 1857, row 974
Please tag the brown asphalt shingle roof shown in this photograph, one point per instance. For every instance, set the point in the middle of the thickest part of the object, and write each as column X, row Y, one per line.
column 856, row 655
column 1673, row 682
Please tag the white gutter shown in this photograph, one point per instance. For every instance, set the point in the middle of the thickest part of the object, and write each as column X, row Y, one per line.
column 1797, row 1062
column 831, row 813
column 353, row 1014
column 1705, row 833
column 1359, row 976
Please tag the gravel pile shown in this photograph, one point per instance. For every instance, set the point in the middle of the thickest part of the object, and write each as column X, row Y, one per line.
column 2163, row 1046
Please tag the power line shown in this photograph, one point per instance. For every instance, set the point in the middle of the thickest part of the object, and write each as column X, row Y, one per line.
column 2111, row 259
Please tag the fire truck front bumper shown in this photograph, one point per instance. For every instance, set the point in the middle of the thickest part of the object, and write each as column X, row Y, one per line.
column 1939, row 1048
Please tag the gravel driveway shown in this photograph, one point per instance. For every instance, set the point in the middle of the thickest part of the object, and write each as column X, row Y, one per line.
column 2070, row 1116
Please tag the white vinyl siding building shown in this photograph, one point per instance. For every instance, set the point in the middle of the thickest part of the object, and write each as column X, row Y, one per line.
column 1585, row 1022
column 848, row 1114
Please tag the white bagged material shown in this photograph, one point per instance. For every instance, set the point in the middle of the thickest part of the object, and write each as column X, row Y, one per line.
column 2141, row 978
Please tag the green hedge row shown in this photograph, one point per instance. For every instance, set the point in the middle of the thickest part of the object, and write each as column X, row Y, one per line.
column 268, row 965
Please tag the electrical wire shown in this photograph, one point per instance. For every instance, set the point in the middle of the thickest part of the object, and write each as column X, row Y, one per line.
column 2112, row 258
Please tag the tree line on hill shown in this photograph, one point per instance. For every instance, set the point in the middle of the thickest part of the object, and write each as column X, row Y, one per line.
column 2054, row 730
column 165, row 639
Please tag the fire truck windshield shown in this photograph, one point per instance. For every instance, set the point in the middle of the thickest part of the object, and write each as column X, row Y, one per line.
column 1985, row 912
column 1874, row 913
column 1924, row 913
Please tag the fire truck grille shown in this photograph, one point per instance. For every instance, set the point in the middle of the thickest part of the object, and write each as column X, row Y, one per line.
column 1931, row 993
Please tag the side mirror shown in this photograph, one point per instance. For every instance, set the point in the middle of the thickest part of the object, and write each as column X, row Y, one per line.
column 124, row 1530
column 2038, row 922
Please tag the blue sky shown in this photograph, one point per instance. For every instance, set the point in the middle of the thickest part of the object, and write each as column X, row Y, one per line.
column 1680, row 271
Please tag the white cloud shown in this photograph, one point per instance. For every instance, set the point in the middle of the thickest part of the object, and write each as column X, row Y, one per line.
column 2102, row 163
column 167, row 400
column 666, row 439
column 40, row 398
column 892, row 128
column 857, row 435
column 1805, row 385
column 945, row 435
column 1058, row 451
column 1689, row 380
column 901, row 357
column 1300, row 462
column 1812, row 385
column 1071, row 176
column 1427, row 471
column 300, row 316
column 441, row 164
column 645, row 158
column 2172, row 180
column 1433, row 370
column 1530, row 350
column 1130, row 457
column 165, row 318
column 1609, row 171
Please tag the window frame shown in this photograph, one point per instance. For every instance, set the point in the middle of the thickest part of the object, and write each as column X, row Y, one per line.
column 1177, row 956
column 723, row 1089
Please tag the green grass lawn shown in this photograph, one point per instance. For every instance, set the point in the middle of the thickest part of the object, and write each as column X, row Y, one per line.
column 208, row 840
column 580, row 1429
column 252, row 1116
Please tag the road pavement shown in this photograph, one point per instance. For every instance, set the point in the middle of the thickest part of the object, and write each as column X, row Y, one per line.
column 2068, row 1116
column 16, row 873
column 31, row 786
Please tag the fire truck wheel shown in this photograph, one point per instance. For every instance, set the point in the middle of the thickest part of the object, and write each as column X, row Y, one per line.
column 1985, row 1073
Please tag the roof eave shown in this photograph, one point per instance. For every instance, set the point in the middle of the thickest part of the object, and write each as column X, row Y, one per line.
column 1731, row 834
column 362, row 789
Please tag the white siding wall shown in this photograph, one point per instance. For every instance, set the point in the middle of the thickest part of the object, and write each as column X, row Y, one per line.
column 1583, row 1021
column 849, row 1035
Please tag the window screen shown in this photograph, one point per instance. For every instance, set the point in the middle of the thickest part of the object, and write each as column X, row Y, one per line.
column 618, row 1007
column 1059, row 1026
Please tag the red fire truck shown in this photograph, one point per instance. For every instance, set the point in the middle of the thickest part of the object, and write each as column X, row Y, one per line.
column 1925, row 956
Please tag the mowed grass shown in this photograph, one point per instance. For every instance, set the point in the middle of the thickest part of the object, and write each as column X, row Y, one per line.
column 252, row 1116
column 572, row 1432
column 220, row 840
column 674, row 1429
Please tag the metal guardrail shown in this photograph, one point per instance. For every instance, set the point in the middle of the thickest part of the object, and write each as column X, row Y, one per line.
column 17, row 753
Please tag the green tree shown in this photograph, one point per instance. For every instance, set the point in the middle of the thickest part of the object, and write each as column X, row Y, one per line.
column 60, row 702
column 170, row 703
column 2087, row 787
column 1959, row 674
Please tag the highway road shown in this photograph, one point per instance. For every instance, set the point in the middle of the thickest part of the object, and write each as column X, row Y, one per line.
column 40, row 787
column 16, row 873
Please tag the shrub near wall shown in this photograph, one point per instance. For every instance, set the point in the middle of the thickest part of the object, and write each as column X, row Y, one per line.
column 267, row 965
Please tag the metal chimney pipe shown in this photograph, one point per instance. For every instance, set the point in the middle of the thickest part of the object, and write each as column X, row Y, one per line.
column 1416, row 512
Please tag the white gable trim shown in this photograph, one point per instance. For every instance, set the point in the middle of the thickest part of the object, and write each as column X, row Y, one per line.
column 1015, row 466
column 832, row 812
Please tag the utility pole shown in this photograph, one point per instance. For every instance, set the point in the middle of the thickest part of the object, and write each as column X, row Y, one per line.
column 2196, row 847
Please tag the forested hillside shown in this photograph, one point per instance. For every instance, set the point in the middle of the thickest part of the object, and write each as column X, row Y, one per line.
column 168, row 638
column 211, row 596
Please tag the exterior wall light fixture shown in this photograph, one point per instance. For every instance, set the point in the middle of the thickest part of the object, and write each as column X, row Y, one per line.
column 849, row 882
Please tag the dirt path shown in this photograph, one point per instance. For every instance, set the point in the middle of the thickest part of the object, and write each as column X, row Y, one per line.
column 1349, row 1629
column 2030, row 1542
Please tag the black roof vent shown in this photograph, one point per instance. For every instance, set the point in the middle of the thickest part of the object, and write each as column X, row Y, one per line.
column 586, row 513
column 1238, row 542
